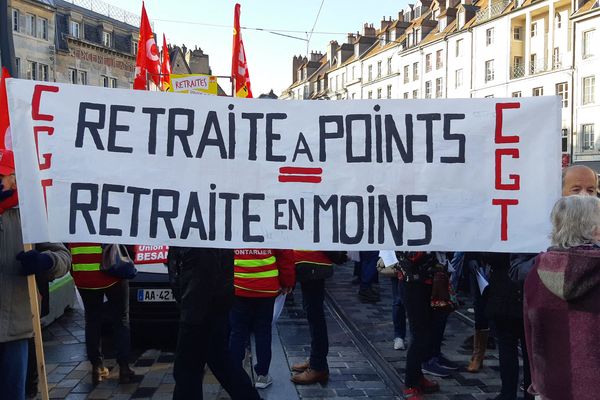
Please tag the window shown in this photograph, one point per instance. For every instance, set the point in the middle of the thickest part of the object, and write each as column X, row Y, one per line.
column 379, row 69
column 134, row 47
column 379, row 93
column 42, row 28
column 15, row 20
column 516, row 94
column 331, row 83
column 556, row 58
column 32, row 70
column 75, row 32
column 489, row 96
column 557, row 20
column 337, row 82
column 533, row 63
column 458, row 78
column 406, row 77
column 534, row 29
column 439, row 63
column 406, row 95
column 428, row 62
column 489, row 70
column 370, row 74
column 461, row 19
column 73, row 76
column 353, row 96
column 587, row 131
column 438, row 88
column 428, row 89
column 415, row 94
column 562, row 90
column 458, row 47
column 105, row 81
column 389, row 66
column 18, row 67
column 417, row 36
column 106, row 39
column 565, row 140
column 589, row 86
column 353, row 72
column 389, row 91
column 517, row 33
column 77, row 77
column 538, row 91
column 415, row 71
column 43, row 73
column 30, row 24
column 370, row 95
column 588, row 37
column 489, row 36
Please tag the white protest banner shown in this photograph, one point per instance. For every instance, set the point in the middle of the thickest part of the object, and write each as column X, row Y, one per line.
column 122, row 166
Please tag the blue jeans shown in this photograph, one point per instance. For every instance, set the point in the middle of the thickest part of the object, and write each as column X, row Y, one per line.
column 252, row 314
column 368, row 268
column 13, row 369
column 398, row 312
column 313, row 296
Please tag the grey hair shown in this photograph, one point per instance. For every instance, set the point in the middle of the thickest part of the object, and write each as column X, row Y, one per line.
column 575, row 221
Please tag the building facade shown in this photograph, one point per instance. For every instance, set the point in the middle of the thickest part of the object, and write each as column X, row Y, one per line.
column 479, row 48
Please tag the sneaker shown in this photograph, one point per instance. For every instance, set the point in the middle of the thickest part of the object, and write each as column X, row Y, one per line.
column 428, row 386
column 399, row 344
column 431, row 367
column 445, row 363
column 413, row 393
column 263, row 381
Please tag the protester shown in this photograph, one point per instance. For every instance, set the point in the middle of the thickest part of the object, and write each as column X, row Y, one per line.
column 417, row 269
column 259, row 276
column 312, row 268
column 562, row 305
column 368, row 276
column 398, row 312
column 202, row 281
column 579, row 179
column 93, row 285
column 48, row 260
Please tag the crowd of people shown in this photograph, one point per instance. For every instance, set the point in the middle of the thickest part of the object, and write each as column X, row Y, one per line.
column 547, row 305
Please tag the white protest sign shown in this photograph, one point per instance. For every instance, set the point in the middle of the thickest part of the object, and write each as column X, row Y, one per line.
column 123, row 166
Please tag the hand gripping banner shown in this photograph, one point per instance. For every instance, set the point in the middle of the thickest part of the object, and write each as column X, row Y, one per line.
column 122, row 166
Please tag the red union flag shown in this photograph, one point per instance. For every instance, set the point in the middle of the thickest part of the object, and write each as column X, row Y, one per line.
column 166, row 66
column 239, row 66
column 5, row 142
column 147, row 60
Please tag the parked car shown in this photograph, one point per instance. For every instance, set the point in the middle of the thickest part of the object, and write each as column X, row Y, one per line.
column 61, row 295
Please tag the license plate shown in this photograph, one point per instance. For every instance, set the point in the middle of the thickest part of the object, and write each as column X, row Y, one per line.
column 155, row 295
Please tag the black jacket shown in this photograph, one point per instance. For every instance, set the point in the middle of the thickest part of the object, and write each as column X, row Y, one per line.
column 505, row 296
column 201, row 278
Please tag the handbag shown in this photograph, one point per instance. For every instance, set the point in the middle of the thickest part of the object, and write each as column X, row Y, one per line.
column 443, row 297
column 117, row 262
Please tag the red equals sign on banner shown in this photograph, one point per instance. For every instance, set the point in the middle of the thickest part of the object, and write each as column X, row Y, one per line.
column 300, row 174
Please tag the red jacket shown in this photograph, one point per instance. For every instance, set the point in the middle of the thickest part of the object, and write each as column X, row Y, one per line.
column 262, row 272
column 85, row 268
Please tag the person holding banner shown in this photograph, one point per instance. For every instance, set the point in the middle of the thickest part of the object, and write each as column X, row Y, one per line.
column 259, row 276
column 94, row 285
column 51, row 260
column 202, row 281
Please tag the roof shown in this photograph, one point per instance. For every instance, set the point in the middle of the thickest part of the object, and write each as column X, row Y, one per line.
column 126, row 16
column 589, row 5
column 47, row 2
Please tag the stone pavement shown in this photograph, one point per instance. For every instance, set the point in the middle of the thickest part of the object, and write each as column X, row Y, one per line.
column 356, row 332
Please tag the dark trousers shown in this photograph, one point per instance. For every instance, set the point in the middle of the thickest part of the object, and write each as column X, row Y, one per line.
column 439, row 320
column 252, row 315
column 13, row 369
column 206, row 342
column 398, row 312
column 510, row 333
column 479, row 300
column 118, row 308
column 420, row 322
column 368, row 268
column 313, row 296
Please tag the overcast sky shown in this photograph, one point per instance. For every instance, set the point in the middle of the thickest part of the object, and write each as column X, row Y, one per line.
column 269, row 55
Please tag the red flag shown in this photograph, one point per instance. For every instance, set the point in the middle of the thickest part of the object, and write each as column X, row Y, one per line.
column 166, row 66
column 239, row 66
column 147, row 60
column 5, row 141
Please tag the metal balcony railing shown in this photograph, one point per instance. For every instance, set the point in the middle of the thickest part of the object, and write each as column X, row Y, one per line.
column 538, row 67
column 108, row 10
column 518, row 71
column 494, row 9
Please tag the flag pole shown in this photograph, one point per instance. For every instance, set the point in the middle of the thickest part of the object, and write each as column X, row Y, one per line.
column 37, row 330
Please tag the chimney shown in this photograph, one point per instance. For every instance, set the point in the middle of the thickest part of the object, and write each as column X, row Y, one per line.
column 385, row 23
column 296, row 62
column 351, row 38
column 315, row 56
column 332, row 50
column 465, row 2
column 368, row 30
